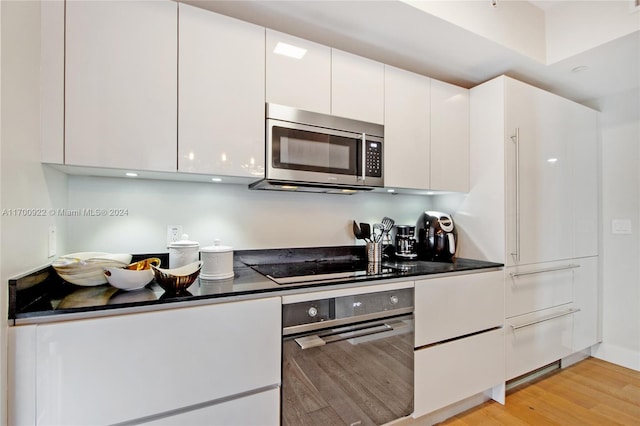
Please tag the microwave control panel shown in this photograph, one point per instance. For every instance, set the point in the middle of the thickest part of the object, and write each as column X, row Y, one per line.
column 374, row 159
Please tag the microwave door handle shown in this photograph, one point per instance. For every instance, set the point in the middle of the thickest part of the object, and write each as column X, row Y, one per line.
column 364, row 156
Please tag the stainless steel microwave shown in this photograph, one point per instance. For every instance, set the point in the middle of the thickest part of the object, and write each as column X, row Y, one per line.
column 308, row 151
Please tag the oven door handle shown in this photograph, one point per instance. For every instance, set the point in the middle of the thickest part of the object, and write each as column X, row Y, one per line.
column 346, row 333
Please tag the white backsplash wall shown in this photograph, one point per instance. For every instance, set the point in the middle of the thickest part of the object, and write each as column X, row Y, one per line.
column 241, row 218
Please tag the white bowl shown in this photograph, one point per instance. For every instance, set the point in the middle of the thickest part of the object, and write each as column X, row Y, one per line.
column 127, row 279
column 87, row 268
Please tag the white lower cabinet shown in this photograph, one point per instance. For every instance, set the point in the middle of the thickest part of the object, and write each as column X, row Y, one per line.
column 537, row 339
column 260, row 409
column 454, row 306
column 452, row 371
column 126, row 368
column 459, row 339
column 538, row 286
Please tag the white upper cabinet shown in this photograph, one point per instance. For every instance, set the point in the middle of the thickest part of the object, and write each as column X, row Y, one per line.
column 121, row 83
column 357, row 87
column 220, row 95
column 298, row 73
column 539, row 175
column 449, row 137
column 406, row 129
column 534, row 171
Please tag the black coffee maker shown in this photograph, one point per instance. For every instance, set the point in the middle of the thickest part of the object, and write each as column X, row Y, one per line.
column 437, row 237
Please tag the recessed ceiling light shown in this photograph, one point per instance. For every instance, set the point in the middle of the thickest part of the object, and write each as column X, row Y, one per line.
column 552, row 160
column 289, row 50
column 216, row 179
column 131, row 174
column 391, row 190
column 580, row 68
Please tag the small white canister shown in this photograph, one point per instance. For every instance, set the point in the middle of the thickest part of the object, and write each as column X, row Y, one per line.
column 217, row 262
column 183, row 252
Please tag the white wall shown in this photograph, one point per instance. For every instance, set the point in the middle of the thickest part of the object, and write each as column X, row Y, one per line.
column 621, row 252
column 241, row 218
column 574, row 27
column 518, row 25
column 24, row 182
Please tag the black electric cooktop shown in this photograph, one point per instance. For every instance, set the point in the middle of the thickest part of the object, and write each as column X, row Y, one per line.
column 325, row 271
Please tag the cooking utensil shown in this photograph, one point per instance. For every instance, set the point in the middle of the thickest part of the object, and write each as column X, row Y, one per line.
column 378, row 232
column 357, row 232
column 366, row 231
column 388, row 223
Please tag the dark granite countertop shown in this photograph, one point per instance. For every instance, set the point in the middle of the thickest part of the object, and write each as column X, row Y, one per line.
column 43, row 294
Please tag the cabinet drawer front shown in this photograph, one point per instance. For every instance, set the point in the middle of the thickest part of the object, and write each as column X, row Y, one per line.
column 536, row 287
column 454, row 306
column 448, row 373
column 535, row 340
column 121, row 368
column 259, row 409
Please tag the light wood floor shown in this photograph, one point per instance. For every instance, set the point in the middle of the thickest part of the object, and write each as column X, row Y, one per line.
column 591, row 392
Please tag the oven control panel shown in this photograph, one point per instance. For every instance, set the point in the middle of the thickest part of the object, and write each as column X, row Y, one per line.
column 348, row 307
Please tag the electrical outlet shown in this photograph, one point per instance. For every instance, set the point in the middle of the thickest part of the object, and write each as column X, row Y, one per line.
column 52, row 241
column 174, row 232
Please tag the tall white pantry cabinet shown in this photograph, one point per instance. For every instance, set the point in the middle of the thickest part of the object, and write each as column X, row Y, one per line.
column 534, row 176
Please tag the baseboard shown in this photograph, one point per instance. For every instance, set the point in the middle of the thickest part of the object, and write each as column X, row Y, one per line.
column 575, row 358
column 449, row 411
column 617, row 355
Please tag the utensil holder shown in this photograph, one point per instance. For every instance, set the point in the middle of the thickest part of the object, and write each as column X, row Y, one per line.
column 374, row 252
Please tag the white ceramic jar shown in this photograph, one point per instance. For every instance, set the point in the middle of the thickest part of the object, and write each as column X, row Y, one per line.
column 183, row 252
column 217, row 262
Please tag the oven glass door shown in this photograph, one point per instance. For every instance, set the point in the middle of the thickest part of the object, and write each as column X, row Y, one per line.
column 360, row 374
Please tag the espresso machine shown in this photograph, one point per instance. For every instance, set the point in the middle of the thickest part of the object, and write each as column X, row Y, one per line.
column 404, row 242
column 437, row 237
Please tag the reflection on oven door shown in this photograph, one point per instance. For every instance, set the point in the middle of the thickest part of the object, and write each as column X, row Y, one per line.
column 361, row 377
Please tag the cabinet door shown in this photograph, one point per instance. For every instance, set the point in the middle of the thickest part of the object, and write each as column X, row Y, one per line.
column 451, row 307
column 539, row 177
column 583, row 139
column 122, row 368
column 261, row 409
column 586, row 329
column 298, row 73
column 120, row 86
column 221, row 95
column 406, row 129
column 449, row 137
column 357, row 87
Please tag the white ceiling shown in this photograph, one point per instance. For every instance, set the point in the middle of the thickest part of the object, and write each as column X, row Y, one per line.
column 395, row 33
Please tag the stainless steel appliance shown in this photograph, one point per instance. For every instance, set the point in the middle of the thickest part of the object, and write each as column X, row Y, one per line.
column 437, row 236
column 348, row 359
column 307, row 151
column 405, row 241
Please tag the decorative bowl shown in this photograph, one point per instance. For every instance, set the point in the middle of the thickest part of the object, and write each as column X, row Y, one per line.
column 127, row 279
column 132, row 277
column 87, row 268
column 177, row 280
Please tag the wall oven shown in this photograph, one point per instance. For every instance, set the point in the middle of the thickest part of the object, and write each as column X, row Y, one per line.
column 348, row 359
column 307, row 150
